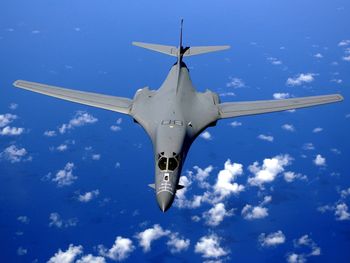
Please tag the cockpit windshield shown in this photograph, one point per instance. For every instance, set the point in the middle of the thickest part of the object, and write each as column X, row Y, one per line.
column 169, row 164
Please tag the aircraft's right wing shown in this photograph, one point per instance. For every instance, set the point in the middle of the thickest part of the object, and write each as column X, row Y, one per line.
column 235, row 109
column 112, row 103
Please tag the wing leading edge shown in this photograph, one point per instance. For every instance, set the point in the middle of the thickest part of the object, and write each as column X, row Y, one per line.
column 117, row 104
column 235, row 109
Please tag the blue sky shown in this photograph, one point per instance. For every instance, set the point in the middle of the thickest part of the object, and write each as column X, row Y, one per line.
column 268, row 188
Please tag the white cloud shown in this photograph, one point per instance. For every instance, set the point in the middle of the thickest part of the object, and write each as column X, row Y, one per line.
column 7, row 118
column 14, row 154
column 201, row 175
column 263, row 137
column 235, row 83
column 120, row 250
column 316, row 130
column 301, row 79
column 49, row 133
column 65, row 176
column 344, row 193
column 225, row 184
column 96, row 157
column 280, row 96
column 257, row 212
column 149, row 235
column 91, row 259
column 319, row 160
column 81, row 118
column 295, row 258
column 274, row 61
column 115, row 128
column 308, row 146
column 57, row 221
column 346, row 58
column 67, row 256
column 341, row 212
column 13, row 106
column 21, row 251
column 291, row 176
column 177, row 244
column 225, row 94
column 206, row 135
column 318, row 55
column 62, row 147
column 235, row 124
column 288, row 127
column 216, row 214
column 272, row 240
column 23, row 219
column 11, row 131
column 209, row 247
column 88, row 196
column 35, row 31
column 343, row 43
column 270, row 168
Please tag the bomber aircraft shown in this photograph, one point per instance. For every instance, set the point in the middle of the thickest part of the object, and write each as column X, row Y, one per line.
column 175, row 114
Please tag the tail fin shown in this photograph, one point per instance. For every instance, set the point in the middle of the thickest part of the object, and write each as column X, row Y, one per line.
column 180, row 51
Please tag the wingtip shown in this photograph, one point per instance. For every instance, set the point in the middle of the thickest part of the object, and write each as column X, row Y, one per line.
column 16, row 83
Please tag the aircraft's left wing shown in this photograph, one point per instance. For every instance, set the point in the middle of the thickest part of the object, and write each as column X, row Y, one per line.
column 112, row 103
column 235, row 109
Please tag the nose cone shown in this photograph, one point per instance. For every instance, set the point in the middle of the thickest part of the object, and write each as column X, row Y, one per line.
column 165, row 199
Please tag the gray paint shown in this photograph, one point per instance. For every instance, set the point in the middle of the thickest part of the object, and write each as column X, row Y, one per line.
column 175, row 114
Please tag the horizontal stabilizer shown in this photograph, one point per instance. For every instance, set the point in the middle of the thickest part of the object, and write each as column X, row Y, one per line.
column 169, row 50
column 192, row 51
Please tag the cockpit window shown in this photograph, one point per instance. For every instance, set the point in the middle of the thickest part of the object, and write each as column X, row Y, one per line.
column 172, row 164
column 162, row 163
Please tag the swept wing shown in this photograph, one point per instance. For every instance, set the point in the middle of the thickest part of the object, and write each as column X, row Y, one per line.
column 117, row 104
column 235, row 109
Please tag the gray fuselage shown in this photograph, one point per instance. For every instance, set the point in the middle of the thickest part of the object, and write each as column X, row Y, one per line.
column 173, row 116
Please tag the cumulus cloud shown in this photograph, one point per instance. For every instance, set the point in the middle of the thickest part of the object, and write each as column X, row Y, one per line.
column 225, row 184
column 57, row 221
column 291, row 176
column 177, row 244
column 257, row 212
column 301, row 79
column 149, row 235
column 91, row 259
column 263, row 137
column 270, row 168
column 206, row 135
column 22, row 251
column 6, row 119
column 317, row 130
column 67, row 256
column 318, row 55
column 306, row 242
column 117, row 127
column 235, row 124
column 274, row 61
column 308, row 146
column 121, row 249
column 14, row 154
column 288, row 127
column 11, row 131
column 215, row 215
column 280, row 96
column 88, row 196
column 13, row 106
column 235, row 83
column 81, row 118
column 50, row 133
column 202, row 174
column 62, row 147
column 319, row 160
column 65, row 176
column 341, row 212
column 209, row 247
column 344, row 42
column 96, row 157
column 272, row 239
column 23, row 219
